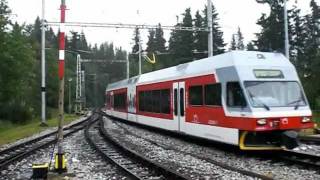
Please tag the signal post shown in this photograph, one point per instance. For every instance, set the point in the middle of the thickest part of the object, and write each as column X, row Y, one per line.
column 60, row 162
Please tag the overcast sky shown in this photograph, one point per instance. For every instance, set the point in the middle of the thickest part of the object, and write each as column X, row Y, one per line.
column 232, row 13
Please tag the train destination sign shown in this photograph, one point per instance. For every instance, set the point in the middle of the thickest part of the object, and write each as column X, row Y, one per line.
column 268, row 73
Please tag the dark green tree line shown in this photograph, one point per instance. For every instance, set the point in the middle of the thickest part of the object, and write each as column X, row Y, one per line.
column 20, row 75
column 304, row 36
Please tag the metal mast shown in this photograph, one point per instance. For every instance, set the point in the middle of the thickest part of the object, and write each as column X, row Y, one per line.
column 286, row 41
column 43, row 67
column 128, row 68
column 78, row 84
column 139, row 55
column 210, row 35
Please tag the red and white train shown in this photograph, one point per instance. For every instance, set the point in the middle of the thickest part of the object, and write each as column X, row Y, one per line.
column 250, row 99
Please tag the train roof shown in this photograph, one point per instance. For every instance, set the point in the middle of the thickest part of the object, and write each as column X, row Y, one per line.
column 209, row 65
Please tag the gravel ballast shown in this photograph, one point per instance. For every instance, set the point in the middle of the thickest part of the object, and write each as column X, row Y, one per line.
column 83, row 162
column 277, row 170
column 188, row 165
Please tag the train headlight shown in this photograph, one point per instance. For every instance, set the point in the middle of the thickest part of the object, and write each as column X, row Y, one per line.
column 261, row 122
column 305, row 120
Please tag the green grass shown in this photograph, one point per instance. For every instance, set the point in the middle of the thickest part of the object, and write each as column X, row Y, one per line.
column 12, row 132
column 316, row 117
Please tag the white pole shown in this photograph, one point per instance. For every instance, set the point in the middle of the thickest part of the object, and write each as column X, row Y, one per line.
column 139, row 56
column 70, row 107
column 43, row 66
column 128, row 68
column 80, row 77
column 78, row 84
column 210, row 35
column 287, row 45
column 82, row 90
column 77, row 79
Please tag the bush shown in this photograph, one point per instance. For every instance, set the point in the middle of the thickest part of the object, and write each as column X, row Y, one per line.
column 16, row 112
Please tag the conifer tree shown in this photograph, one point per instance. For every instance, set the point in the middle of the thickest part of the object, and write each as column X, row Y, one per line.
column 133, row 58
column 136, row 40
column 233, row 43
column 310, row 60
column 240, row 43
column 160, row 41
column 271, row 37
column 250, row 47
column 181, row 42
column 218, row 42
column 151, row 44
column 200, row 37
column 186, row 48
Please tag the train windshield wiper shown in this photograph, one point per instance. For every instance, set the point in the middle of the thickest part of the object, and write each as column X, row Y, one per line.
column 259, row 101
column 297, row 103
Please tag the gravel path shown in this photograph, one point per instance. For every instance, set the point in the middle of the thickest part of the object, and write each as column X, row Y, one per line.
column 82, row 161
column 191, row 166
column 276, row 170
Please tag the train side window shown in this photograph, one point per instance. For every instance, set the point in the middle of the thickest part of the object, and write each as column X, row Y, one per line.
column 175, row 102
column 235, row 96
column 141, row 101
column 156, row 95
column 196, row 95
column 120, row 101
column 165, row 101
column 212, row 94
column 155, row 101
column 148, row 101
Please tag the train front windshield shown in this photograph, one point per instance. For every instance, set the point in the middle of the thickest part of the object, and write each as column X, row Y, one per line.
column 268, row 94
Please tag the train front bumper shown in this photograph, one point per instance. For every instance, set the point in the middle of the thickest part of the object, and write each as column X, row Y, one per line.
column 268, row 140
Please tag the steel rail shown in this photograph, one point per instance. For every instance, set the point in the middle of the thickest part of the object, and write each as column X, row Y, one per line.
column 301, row 158
column 217, row 163
column 104, row 155
column 167, row 172
column 310, row 139
column 39, row 138
column 23, row 150
column 158, row 169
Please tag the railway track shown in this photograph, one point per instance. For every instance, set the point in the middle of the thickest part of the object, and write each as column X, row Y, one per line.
column 217, row 163
column 22, row 150
column 130, row 163
column 310, row 139
column 307, row 160
column 296, row 157
column 301, row 158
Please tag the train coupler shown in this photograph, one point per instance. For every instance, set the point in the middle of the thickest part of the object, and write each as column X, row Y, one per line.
column 60, row 164
column 289, row 139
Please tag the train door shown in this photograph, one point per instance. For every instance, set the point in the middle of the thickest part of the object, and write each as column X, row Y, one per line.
column 111, row 103
column 179, row 104
column 131, row 103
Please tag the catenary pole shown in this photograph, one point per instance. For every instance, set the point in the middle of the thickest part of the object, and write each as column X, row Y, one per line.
column 128, row 67
column 43, row 67
column 210, row 35
column 140, row 71
column 287, row 45
column 69, row 93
